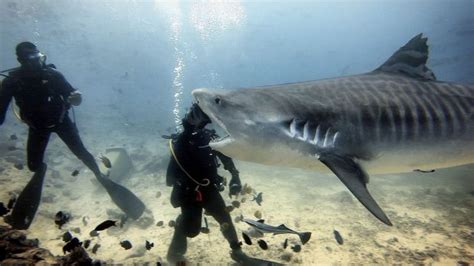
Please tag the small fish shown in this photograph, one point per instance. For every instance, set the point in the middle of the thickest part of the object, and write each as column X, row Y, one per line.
column 94, row 233
column 229, row 208
column 87, row 243
column 75, row 172
column 71, row 245
column 236, row 204
column 285, row 244
column 239, row 218
column 338, row 237
column 13, row 137
column 105, row 224
column 424, row 171
column 105, row 161
column 296, row 248
column 95, row 248
column 85, row 220
column 160, row 223
column 149, row 245
column 247, row 239
column 11, row 202
column 258, row 198
column 262, row 244
column 3, row 210
column 61, row 218
column 126, row 244
column 171, row 223
column 261, row 226
column 18, row 166
column 67, row 236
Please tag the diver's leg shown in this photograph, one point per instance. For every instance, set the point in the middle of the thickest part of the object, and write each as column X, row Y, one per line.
column 130, row 204
column 215, row 205
column 188, row 224
column 30, row 197
column 69, row 134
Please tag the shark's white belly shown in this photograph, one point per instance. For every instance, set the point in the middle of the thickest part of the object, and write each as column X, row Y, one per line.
column 397, row 159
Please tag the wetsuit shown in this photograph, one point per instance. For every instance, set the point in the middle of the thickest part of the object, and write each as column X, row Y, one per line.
column 42, row 99
column 200, row 162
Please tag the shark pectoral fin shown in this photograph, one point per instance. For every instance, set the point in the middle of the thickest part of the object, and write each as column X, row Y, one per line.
column 352, row 175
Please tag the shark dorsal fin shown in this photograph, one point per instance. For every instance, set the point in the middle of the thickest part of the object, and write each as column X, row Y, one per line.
column 410, row 60
column 283, row 227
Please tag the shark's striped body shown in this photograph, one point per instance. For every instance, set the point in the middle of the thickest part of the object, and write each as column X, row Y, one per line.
column 395, row 119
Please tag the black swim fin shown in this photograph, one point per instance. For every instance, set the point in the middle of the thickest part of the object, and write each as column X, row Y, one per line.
column 28, row 201
column 130, row 204
column 352, row 175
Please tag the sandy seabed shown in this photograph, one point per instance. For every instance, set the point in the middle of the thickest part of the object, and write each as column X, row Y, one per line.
column 433, row 214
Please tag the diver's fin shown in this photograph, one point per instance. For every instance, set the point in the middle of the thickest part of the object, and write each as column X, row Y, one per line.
column 352, row 175
column 130, row 204
column 244, row 260
column 28, row 201
column 410, row 60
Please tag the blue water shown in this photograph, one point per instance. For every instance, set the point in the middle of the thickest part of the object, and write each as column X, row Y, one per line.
column 136, row 63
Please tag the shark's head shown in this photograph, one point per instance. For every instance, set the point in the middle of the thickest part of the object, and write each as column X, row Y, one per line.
column 249, row 126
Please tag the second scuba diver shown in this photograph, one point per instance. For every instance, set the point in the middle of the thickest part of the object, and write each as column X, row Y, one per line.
column 44, row 97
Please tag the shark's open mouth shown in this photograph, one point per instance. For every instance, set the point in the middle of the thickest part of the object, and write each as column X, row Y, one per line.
column 221, row 129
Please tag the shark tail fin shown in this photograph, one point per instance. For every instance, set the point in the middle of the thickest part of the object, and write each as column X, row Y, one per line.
column 304, row 237
column 410, row 60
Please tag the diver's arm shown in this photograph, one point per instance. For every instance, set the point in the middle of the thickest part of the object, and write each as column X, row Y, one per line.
column 73, row 96
column 235, row 186
column 5, row 98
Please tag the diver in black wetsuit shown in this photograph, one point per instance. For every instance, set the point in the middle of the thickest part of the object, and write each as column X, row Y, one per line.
column 44, row 97
column 192, row 171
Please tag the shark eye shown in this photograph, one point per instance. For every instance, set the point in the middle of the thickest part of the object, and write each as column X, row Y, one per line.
column 217, row 100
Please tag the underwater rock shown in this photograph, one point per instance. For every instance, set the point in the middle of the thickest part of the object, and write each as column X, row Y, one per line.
column 17, row 249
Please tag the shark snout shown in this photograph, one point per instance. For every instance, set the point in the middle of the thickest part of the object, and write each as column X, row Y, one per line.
column 201, row 96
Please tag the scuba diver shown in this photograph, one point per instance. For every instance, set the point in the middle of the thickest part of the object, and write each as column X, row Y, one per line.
column 44, row 97
column 192, row 171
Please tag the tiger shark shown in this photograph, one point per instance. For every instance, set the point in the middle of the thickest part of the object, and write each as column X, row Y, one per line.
column 394, row 119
